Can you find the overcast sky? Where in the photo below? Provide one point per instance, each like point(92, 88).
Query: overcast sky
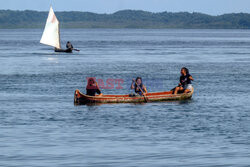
point(213, 7)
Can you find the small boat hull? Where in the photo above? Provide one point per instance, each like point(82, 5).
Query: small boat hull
point(64, 50)
point(80, 98)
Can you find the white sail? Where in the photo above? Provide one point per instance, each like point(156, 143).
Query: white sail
point(51, 34)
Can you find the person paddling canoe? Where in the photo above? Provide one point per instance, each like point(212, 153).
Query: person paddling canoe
point(185, 84)
point(93, 88)
point(139, 87)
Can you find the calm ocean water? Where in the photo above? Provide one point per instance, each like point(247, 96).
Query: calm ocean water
point(40, 126)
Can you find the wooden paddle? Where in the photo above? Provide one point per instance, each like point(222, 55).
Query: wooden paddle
point(145, 98)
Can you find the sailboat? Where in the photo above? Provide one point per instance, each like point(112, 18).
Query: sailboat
point(51, 34)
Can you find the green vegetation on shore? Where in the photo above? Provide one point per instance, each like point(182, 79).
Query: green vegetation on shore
point(125, 19)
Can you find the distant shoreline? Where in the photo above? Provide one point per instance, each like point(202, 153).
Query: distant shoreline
point(125, 19)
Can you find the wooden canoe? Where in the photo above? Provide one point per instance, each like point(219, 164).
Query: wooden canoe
point(80, 98)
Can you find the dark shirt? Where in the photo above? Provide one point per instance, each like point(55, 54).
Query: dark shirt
point(69, 46)
point(185, 80)
point(139, 91)
point(92, 92)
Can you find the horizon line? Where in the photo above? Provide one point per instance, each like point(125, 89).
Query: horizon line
point(125, 10)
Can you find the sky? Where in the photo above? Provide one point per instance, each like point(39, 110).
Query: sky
point(212, 7)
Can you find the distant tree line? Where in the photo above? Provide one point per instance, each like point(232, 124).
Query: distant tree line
point(125, 19)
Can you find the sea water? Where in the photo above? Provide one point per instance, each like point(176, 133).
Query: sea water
point(41, 126)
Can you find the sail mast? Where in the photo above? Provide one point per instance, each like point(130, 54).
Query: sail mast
point(59, 36)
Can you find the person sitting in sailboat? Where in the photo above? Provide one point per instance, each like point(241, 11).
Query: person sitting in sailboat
point(139, 87)
point(69, 45)
point(92, 88)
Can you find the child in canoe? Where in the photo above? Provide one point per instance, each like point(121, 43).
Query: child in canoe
point(92, 88)
point(138, 86)
point(185, 84)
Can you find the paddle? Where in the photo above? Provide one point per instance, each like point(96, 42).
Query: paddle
point(76, 50)
point(145, 98)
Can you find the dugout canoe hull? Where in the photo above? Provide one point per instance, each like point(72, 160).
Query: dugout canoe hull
point(80, 98)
